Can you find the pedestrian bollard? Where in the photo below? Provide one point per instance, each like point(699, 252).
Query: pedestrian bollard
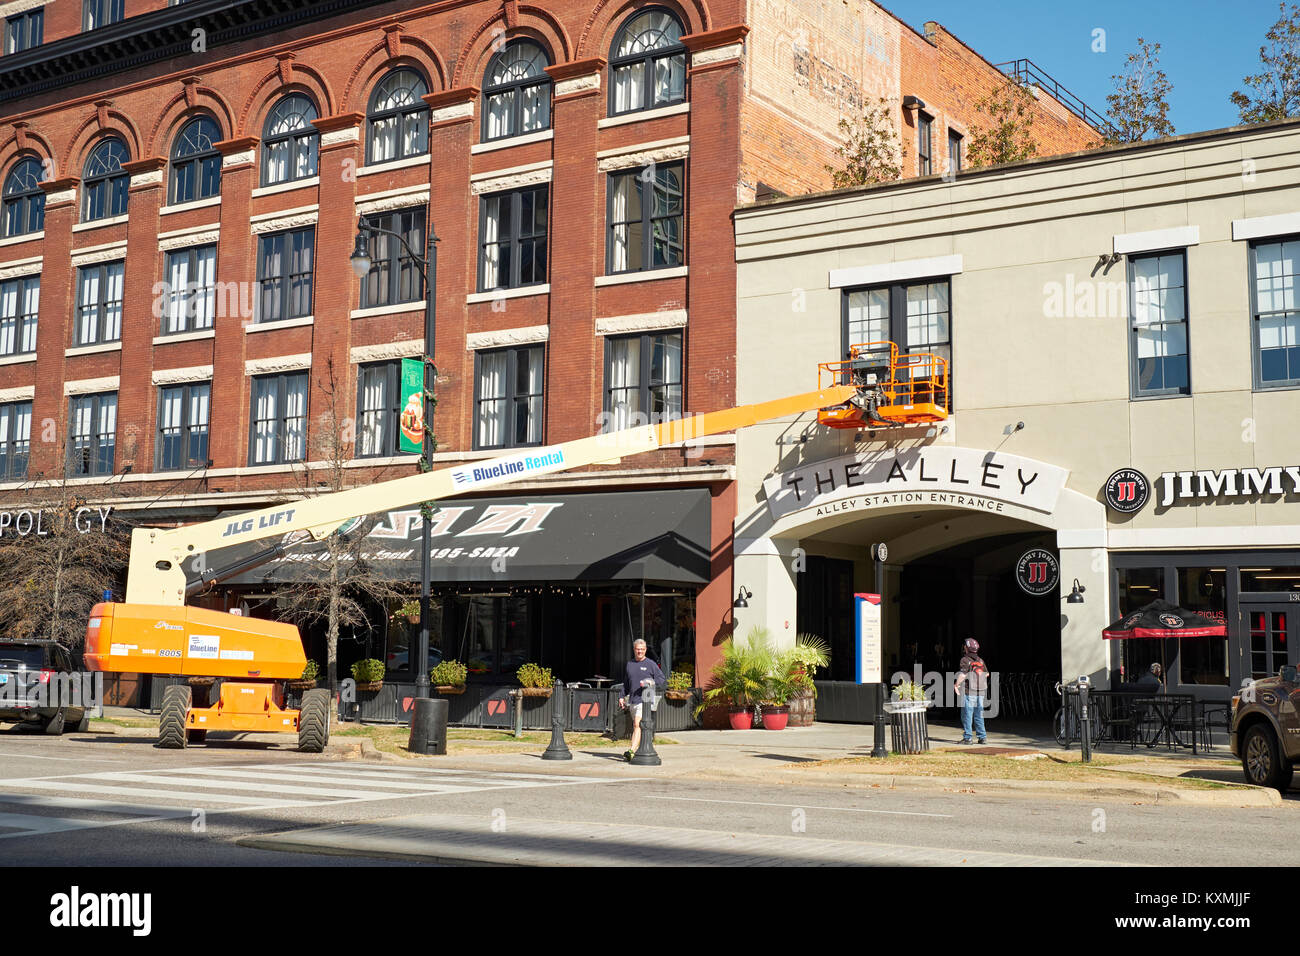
point(645, 755)
point(557, 749)
point(517, 698)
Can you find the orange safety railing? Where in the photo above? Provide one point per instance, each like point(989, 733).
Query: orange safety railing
point(896, 389)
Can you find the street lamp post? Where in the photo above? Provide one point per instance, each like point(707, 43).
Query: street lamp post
point(428, 266)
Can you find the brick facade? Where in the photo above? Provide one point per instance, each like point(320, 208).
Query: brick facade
point(740, 126)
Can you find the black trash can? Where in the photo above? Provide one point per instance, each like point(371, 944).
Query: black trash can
point(428, 726)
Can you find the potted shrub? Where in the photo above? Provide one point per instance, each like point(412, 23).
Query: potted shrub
point(535, 680)
point(776, 695)
point(809, 653)
point(308, 679)
point(409, 611)
point(449, 677)
point(680, 684)
point(369, 674)
point(908, 732)
point(740, 677)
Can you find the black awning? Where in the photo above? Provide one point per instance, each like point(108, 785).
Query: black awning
point(628, 536)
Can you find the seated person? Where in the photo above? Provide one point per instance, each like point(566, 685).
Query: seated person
point(1152, 681)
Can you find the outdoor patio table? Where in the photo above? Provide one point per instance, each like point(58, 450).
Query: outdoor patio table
point(1166, 708)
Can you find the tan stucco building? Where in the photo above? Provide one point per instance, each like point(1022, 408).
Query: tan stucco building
point(1124, 308)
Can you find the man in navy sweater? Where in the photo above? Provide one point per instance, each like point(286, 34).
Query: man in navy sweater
point(636, 675)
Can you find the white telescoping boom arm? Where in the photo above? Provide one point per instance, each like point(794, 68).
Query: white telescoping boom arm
point(156, 575)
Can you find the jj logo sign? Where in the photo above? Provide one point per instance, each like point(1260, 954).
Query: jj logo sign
point(1038, 572)
point(1127, 491)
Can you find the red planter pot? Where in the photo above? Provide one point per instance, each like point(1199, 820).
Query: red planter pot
point(741, 719)
point(775, 718)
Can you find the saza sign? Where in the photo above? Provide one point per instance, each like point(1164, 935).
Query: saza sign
point(953, 477)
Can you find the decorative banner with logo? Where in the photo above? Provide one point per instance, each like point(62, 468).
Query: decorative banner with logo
point(866, 664)
point(1038, 572)
point(411, 440)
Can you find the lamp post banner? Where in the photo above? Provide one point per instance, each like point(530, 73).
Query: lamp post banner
point(411, 420)
point(955, 477)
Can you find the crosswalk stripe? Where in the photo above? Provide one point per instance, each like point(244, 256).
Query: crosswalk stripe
point(75, 803)
point(181, 795)
point(393, 780)
point(182, 781)
point(225, 773)
point(32, 824)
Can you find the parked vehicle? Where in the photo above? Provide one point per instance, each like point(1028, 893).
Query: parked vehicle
point(1266, 729)
point(35, 673)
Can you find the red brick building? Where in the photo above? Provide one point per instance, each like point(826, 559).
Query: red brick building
point(182, 186)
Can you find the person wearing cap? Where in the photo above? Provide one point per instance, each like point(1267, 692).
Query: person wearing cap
point(974, 675)
point(637, 675)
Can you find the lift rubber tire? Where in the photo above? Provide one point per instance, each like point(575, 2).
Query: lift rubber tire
point(53, 725)
point(314, 721)
point(175, 713)
point(1262, 761)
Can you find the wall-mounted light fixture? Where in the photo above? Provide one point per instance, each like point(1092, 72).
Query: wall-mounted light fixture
point(911, 102)
point(743, 596)
point(1076, 595)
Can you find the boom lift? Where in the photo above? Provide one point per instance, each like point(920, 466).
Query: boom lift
point(890, 389)
point(153, 632)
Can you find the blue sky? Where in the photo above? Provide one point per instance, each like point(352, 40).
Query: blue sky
point(1205, 47)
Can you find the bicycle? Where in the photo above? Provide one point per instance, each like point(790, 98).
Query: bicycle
point(1067, 721)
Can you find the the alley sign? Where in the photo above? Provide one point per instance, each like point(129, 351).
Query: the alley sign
point(34, 523)
point(947, 476)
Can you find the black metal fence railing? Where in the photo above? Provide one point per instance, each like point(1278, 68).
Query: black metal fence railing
point(1026, 70)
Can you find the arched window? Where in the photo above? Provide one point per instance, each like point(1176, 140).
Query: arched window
point(24, 200)
point(290, 143)
point(647, 63)
point(196, 163)
point(399, 119)
point(516, 91)
point(104, 183)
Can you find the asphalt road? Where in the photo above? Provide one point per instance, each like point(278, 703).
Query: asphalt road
point(100, 800)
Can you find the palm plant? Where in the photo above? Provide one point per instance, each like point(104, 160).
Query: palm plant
point(801, 662)
point(741, 676)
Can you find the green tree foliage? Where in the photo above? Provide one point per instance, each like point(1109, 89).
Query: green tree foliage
point(1004, 132)
point(1139, 106)
point(870, 153)
point(1274, 94)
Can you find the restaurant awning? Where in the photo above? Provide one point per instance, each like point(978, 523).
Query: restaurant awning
point(628, 536)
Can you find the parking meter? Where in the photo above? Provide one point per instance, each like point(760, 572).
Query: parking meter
point(1084, 685)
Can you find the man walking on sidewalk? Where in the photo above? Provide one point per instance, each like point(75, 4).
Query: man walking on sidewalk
point(636, 675)
point(975, 676)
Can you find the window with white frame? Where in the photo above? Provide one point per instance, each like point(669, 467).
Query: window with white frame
point(643, 379)
point(99, 303)
point(1275, 273)
point(1158, 306)
point(646, 216)
point(394, 275)
point(379, 403)
point(398, 118)
point(279, 419)
point(196, 162)
point(513, 239)
point(20, 304)
point(508, 397)
point(916, 316)
point(516, 91)
point(24, 30)
point(290, 144)
point(24, 200)
point(183, 426)
point(100, 13)
point(924, 131)
point(15, 439)
point(92, 434)
point(284, 275)
point(190, 291)
point(105, 184)
point(647, 63)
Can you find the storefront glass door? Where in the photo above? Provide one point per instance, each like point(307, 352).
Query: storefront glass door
point(1270, 631)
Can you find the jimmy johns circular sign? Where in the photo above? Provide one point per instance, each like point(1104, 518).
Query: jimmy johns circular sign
point(1127, 491)
point(1038, 572)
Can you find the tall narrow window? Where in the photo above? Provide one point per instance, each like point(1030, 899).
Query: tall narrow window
point(290, 144)
point(516, 91)
point(196, 162)
point(1275, 272)
point(647, 63)
point(279, 420)
point(508, 398)
point(20, 303)
point(24, 200)
point(513, 234)
point(284, 273)
point(924, 126)
point(643, 375)
point(24, 30)
point(189, 293)
point(378, 407)
point(646, 215)
point(92, 434)
point(15, 440)
point(183, 426)
point(394, 275)
point(399, 119)
point(915, 316)
point(99, 303)
point(954, 151)
point(1158, 305)
point(104, 188)
point(100, 13)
